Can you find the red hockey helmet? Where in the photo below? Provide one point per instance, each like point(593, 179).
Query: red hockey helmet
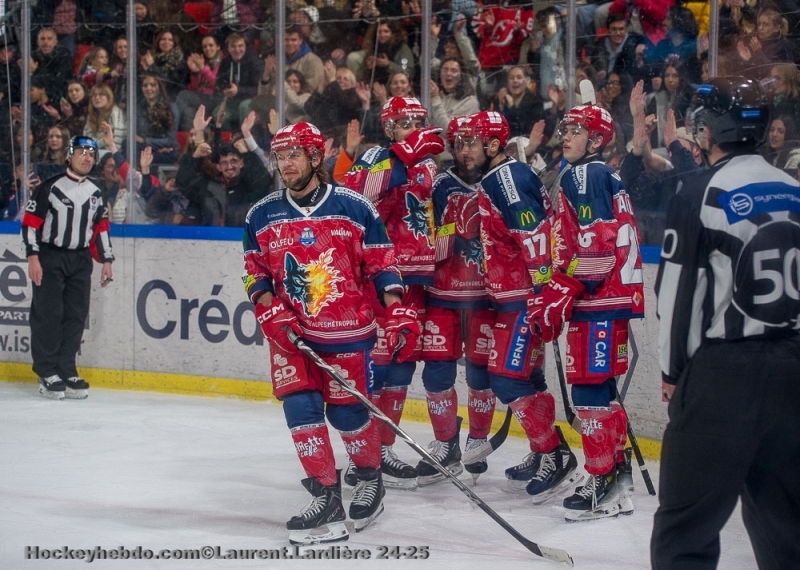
point(300, 135)
point(453, 127)
point(487, 125)
point(402, 108)
point(595, 120)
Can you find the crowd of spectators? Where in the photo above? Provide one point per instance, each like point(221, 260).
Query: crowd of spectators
point(207, 86)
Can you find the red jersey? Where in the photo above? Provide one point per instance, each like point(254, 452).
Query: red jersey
point(596, 241)
point(403, 198)
point(501, 41)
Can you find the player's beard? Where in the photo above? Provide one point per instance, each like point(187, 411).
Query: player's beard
point(299, 184)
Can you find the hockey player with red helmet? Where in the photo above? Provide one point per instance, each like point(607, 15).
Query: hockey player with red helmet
point(596, 286)
point(515, 217)
point(314, 254)
point(397, 179)
point(459, 317)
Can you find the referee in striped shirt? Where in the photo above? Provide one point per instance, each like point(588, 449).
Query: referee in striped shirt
point(64, 226)
point(729, 309)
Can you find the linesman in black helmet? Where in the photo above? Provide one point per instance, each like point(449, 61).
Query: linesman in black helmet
point(65, 225)
point(729, 308)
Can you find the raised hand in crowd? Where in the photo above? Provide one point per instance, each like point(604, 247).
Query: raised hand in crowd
point(248, 123)
point(536, 138)
point(66, 108)
point(195, 62)
point(331, 151)
point(330, 70)
point(203, 149)
point(107, 134)
point(353, 138)
point(362, 90)
point(220, 118)
point(147, 60)
point(380, 92)
point(640, 135)
point(637, 99)
point(200, 122)
point(274, 125)
point(145, 160)
point(670, 128)
point(435, 91)
point(52, 111)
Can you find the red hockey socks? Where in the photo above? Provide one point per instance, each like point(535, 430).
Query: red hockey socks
point(480, 407)
point(443, 409)
point(391, 401)
point(314, 449)
point(621, 427)
point(364, 444)
point(536, 414)
point(598, 433)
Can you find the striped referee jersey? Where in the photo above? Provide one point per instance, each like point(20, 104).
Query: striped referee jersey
point(730, 262)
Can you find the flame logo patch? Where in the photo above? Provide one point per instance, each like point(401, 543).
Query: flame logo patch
point(314, 285)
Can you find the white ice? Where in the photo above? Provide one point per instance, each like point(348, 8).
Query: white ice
point(176, 472)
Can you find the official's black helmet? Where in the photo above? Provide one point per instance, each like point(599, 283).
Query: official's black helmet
point(81, 142)
point(734, 108)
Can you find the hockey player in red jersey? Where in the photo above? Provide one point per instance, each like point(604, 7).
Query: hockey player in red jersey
point(597, 287)
point(459, 317)
point(314, 254)
point(515, 213)
point(397, 179)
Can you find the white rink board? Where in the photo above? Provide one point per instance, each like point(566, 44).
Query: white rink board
point(178, 306)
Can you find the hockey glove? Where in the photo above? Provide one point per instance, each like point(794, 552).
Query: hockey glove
point(275, 321)
point(550, 309)
point(401, 323)
point(418, 145)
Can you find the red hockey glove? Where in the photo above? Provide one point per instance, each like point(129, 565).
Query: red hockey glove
point(275, 321)
point(418, 145)
point(550, 309)
point(401, 322)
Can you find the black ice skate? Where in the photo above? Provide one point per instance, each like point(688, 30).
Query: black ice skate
point(477, 467)
point(448, 453)
point(77, 388)
point(625, 484)
point(368, 495)
point(557, 471)
point(52, 387)
point(397, 474)
point(322, 520)
point(519, 475)
point(350, 474)
point(598, 499)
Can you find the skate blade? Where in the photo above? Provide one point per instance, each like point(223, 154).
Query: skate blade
point(573, 480)
point(361, 524)
point(398, 483)
point(332, 532)
point(516, 485)
point(51, 395)
point(80, 394)
point(607, 511)
point(625, 506)
point(424, 481)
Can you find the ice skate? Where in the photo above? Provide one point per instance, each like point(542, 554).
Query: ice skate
point(52, 387)
point(77, 388)
point(397, 474)
point(518, 476)
point(322, 520)
point(598, 499)
point(625, 484)
point(448, 453)
point(367, 503)
point(476, 467)
point(557, 471)
point(350, 474)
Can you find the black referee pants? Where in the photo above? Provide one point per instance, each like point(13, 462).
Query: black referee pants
point(733, 432)
point(59, 308)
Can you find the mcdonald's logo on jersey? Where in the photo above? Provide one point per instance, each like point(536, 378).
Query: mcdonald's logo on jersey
point(526, 219)
point(585, 213)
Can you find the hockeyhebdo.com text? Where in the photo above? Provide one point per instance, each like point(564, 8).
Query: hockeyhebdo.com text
point(332, 552)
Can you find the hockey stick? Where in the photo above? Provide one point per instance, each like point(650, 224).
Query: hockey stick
point(554, 554)
point(648, 482)
point(485, 449)
point(572, 418)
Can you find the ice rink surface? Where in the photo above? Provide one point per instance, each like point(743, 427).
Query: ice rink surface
point(134, 469)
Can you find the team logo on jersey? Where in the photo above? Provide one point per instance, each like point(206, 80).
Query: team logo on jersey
point(307, 237)
point(472, 253)
point(419, 219)
point(557, 244)
point(314, 285)
point(526, 219)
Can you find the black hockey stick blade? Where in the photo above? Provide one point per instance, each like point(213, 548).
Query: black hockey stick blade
point(648, 482)
point(485, 449)
point(572, 418)
point(553, 554)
